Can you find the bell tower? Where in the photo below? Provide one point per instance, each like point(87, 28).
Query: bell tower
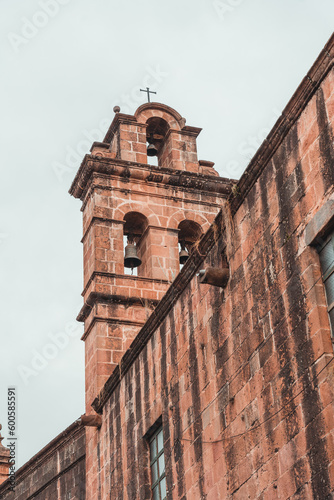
point(138, 215)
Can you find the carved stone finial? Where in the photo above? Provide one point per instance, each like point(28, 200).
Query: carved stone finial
point(116, 109)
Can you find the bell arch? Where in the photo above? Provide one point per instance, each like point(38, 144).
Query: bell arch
point(189, 232)
point(127, 207)
point(155, 109)
point(177, 217)
point(156, 134)
point(135, 225)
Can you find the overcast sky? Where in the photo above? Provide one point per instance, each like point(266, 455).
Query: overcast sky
point(228, 66)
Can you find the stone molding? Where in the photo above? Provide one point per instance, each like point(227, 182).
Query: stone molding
point(320, 224)
point(129, 277)
point(148, 173)
point(103, 298)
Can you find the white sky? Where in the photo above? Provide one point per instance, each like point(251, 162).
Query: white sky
point(229, 69)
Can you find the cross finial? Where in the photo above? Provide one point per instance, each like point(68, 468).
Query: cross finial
point(148, 93)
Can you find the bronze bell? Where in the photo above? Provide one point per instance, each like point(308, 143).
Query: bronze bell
point(152, 150)
point(131, 258)
point(183, 255)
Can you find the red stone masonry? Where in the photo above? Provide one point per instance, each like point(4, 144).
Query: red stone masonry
point(4, 460)
point(242, 377)
point(115, 184)
point(54, 473)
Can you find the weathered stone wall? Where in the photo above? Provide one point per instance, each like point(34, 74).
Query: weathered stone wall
point(57, 472)
point(243, 378)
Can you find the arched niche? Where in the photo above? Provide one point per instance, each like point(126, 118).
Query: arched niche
point(189, 232)
point(156, 132)
point(135, 224)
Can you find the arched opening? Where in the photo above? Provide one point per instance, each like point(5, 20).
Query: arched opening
point(133, 230)
point(189, 232)
point(156, 131)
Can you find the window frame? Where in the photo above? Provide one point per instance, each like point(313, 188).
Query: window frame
point(327, 274)
point(160, 477)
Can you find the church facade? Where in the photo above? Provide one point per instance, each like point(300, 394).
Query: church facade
point(209, 369)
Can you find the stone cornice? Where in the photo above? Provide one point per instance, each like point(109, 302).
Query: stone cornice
point(187, 131)
point(110, 321)
point(129, 277)
point(206, 163)
point(180, 283)
point(4, 456)
point(101, 145)
point(104, 298)
point(290, 114)
point(147, 173)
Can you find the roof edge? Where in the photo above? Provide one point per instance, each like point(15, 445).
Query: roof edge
point(54, 443)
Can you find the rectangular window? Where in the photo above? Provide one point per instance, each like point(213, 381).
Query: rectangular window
point(326, 254)
point(156, 442)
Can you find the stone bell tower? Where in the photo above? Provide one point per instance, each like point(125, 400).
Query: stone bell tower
point(159, 208)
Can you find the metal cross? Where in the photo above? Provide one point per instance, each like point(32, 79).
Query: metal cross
point(148, 93)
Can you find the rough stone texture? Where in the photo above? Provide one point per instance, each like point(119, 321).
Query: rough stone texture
point(242, 377)
point(57, 472)
point(318, 226)
point(119, 194)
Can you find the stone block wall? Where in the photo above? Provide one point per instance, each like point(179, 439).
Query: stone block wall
point(57, 472)
point(243, 377)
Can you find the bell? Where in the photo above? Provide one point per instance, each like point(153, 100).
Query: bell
point(131, 258)
point(183, 256)
point(152, 150)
